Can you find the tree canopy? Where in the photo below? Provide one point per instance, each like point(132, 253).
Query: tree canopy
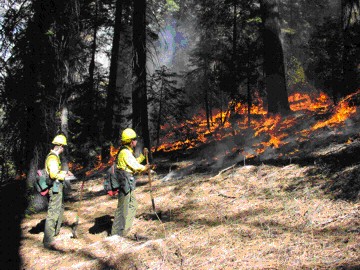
point(90, 68)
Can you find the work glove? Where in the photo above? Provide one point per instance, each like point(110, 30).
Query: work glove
point(147, 167)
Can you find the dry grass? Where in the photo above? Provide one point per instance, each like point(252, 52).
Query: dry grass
point(250, 217)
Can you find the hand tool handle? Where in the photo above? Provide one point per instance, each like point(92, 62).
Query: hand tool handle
point(150, 181)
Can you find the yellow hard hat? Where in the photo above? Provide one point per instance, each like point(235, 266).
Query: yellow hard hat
point(59, 140)
point(127, 135)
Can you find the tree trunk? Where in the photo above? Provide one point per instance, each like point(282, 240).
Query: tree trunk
point(349, 70)
point(234, 40)
point(115, 50)
point(64, 43)
point(13, 205)
point(38, 203)
point(206, 96)
point(91, 126)
point(139, 92)
point(234, 68)
point(158, 125)
point(109, 132)
point(37, 123)
point(273, 59)
point(65, 131)
point(249, 101)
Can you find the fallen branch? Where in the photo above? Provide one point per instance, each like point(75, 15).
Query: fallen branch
point(226, 196)
point(226, 169)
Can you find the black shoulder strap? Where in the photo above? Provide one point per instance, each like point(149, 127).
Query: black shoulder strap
point(122, 148)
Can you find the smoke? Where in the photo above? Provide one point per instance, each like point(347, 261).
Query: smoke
point(177, 38)
point(171, 40)
point(242, 149)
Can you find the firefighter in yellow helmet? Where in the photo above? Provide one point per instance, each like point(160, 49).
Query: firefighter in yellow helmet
point(127, 165)
point(56, 195)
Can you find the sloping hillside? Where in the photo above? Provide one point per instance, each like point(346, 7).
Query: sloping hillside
point(261, 216)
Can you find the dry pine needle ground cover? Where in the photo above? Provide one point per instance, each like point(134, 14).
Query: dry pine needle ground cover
point(248, 217)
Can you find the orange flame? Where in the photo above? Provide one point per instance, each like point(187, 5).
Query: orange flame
point(272, 126)
point(301, 101)
point(273, 130)
point(99, 165)
point(342, 112)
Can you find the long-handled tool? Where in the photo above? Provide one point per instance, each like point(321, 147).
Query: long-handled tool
point(76, 223)
point(150, 181)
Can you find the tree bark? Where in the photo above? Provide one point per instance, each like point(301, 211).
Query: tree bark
point(65, 131)
point(273, 59)
point(249, 99)
point(158, 124)
point(206, 96)
point(234, 71)
point(139, 92)
point(91, 126)
point(109, 132)
point(349, 69)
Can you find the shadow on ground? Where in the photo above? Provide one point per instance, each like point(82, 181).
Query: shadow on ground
point(102, 224)
point(38, 228)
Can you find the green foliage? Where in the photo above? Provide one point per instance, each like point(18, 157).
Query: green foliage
point(254, 20)
point(289, 31)
point(295, 72)
point(50, 32)
point(172, 6)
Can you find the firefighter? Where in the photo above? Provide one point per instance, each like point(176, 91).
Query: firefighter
point(56, 195)
point(127, 166)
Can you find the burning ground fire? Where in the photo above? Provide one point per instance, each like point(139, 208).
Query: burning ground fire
point(99, 165)
point(271, 130)
point(268, 131)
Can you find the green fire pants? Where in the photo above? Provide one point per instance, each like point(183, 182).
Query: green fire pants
point(124, 214)
point(54, 215)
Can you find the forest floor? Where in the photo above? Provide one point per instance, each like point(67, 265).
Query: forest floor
point(260, 216)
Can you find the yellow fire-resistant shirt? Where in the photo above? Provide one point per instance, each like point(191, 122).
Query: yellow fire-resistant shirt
point(126, 161)
point(53, 167)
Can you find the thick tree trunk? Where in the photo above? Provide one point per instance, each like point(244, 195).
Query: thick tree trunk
point(13, 205)
point(349, 69)
point(91, 126)
point(65, 131)
point(38, 202)
point(273, 59)
point(139, 93)
point(234, 40)
point(109, 132)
